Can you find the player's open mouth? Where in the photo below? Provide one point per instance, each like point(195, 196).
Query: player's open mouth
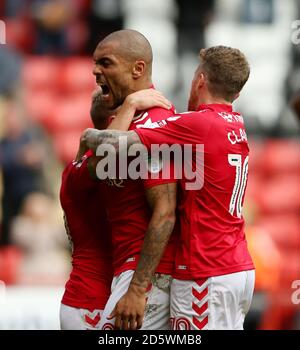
point(105, 90)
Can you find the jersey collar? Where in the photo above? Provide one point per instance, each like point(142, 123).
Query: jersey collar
point(217, 107)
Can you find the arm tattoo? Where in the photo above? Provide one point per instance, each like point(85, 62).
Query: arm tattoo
point(94, 138)
point(162, 199)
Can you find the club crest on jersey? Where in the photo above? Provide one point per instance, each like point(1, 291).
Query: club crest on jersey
point(155, 165)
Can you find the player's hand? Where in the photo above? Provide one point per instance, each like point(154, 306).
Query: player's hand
point(129, 311)
point(83, 148)
point(89, 139)
point(148, 98)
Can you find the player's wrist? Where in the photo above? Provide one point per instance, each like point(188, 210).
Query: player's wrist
point(138, 288)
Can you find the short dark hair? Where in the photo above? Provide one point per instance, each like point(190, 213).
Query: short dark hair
point(227, 70)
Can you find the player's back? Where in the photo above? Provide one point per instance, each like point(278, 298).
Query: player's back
point(215, 211)
point(89, 233)
point(212, 239)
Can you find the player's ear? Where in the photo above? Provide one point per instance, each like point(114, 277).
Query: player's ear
point(198, 81)
point(138, 69)
point(201, 79)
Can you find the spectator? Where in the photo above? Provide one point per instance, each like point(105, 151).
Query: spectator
point(106, 16)
point(193, 17)
point(9, 76)
point(21, 162)
point(52, 19)
point(41, 238)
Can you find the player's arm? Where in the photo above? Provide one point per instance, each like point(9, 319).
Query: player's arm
point(137, 101)
point(129, 311)
point(92, 138)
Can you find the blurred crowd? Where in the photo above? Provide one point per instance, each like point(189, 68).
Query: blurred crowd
point(59, 27)
point(46, 83)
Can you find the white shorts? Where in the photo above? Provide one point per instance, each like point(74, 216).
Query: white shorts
point(72, 318)
point(220, 302)
point(157, 312)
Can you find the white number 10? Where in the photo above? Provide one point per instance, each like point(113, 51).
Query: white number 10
point(241, 174)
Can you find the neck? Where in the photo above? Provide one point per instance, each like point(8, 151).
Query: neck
point(143, 84)
point(214, 100)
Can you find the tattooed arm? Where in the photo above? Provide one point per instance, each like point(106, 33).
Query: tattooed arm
point(93, 138)
point(137, 101)
point(129, 311)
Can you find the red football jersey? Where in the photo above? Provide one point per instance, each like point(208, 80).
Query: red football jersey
point(212, 240)
point(89, 284)
point(129, 212)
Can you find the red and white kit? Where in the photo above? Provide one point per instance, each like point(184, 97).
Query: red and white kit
point(88, 287)
point(212, 251)
point(129, 215)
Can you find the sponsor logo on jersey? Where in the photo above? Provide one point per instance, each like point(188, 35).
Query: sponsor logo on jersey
point(231, 118)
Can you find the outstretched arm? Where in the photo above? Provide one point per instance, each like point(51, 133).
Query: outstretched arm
point(93, 138)
point(137, 101)
point(129, 311)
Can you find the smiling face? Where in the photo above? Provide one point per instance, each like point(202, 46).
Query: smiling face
point(114, 74)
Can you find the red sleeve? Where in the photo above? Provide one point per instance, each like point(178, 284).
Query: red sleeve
point(190, 128)
point(145, 120)
point(150, 116)
point(184, 129)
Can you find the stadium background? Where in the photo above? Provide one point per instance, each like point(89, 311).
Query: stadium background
point(45, 87)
